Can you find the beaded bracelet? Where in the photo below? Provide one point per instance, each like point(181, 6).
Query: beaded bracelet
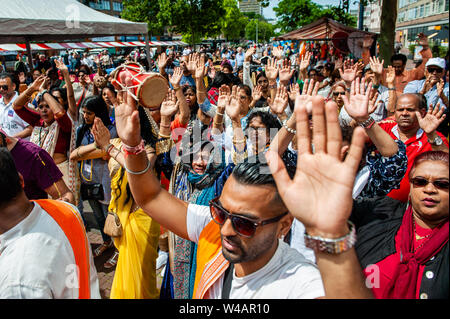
point(290, 130)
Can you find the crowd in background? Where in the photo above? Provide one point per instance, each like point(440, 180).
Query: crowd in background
point(65, 126)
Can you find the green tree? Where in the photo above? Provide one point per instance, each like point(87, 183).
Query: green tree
point(233, 22)
point(387, 30)
point(194, 19)
point(293, 14)
point(144, 11)
point(265, 30)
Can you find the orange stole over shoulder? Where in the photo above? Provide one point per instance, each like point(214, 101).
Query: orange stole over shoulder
point(210, 262)
point(73, 227)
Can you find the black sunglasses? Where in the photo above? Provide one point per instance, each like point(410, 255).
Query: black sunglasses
point(4, 87)
point(432, 70)
point(338, 93)
point(422, 182)
point(242, 225)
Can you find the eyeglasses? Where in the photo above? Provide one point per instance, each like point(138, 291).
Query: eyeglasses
point(4, 87)
point(432, 70)
point(338, 93)
point(242, 225)
point(422, 182)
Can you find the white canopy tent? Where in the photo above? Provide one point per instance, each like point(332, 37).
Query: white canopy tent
point(26, 21)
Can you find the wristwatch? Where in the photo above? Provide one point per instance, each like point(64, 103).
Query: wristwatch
point(367, 123)
point(437, 141)
point(332, 246)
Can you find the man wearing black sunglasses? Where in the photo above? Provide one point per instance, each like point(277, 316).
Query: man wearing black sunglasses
point(10, 122)
point(244, 227)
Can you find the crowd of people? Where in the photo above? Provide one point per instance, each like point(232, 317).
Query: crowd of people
point(264, 173)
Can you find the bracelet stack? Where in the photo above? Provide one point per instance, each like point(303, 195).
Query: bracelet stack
point(290, 130)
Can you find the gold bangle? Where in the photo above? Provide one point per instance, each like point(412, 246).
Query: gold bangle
point(218, 123)
point(239, 141)
point(163, 136)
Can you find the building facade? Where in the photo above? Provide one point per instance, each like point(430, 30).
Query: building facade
point(427, 16)
point(250, 6)
point(111, 7)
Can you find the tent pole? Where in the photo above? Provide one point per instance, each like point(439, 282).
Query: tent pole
point(30, 57)
point(147, 49)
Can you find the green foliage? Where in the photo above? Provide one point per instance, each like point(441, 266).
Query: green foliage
point(293, 14)
point(265, 30)
point(144, 11)
point(233, 22)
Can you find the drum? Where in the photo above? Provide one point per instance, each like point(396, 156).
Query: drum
point(149, 89)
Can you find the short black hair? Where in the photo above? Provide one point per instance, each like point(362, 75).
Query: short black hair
point(399, 56)
point(255, 171)
point(10, 186)
point(13, 77)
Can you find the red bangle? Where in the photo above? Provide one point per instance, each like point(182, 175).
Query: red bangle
point(133, 150)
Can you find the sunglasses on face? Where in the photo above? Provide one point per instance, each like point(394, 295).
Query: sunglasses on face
point(432, 70)
point(242, 225)
point(338, 93)
point(4, 87)
point(422, 182)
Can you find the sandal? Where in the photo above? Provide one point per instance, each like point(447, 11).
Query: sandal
point(101, 249)
point(112, 261)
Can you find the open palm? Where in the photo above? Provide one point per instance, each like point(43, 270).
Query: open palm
point(432, 119)
point(357, 106)
point(322, 183)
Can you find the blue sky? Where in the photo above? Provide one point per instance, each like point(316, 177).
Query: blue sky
point(269, 14)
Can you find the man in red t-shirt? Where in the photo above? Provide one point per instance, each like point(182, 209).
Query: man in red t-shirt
point(416, 127)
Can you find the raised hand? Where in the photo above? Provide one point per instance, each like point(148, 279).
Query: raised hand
point(257, 93)
point(321, 173)
point(271, 69)
point(305, 61)
point(38, 82)
point(162, 62)
point(294, 89)
point(61, 66)
point(176, 77)
point(249, 53)
point(432, 119)
point(224, 98)
point(169, 106)
point(233, 108)
point(422, 39)
point(280, 101)
point(310, 89)
point(376, 65)
point(127, 116)
point(348, 71)
point(373, 104)
point(358, 104)
point(285, 72)
point(101, 133)
point(200, 68)
point(390, 76)
point(440, 87)
point(191, 63)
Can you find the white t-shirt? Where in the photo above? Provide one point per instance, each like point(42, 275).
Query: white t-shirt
point(10, 122)
point(288, 275)
point(37, 261)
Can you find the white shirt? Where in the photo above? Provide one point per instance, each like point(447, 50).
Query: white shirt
point(37, 261)
point(287, 275)
point(10, 122)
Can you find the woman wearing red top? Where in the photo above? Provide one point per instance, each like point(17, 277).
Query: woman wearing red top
point(52, 126)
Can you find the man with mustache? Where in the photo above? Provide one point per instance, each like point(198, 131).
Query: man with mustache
point(417, 128)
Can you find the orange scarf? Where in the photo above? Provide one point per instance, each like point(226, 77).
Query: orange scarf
point(71, 223)
point(210, 261)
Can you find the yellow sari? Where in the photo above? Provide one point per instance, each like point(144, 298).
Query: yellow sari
point(135, 275)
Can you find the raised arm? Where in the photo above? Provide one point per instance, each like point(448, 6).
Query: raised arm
point(429, 123)
point(163, 207)
point(357, 106)
point(185, 111)
point(323, 184)
point(73, 111)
